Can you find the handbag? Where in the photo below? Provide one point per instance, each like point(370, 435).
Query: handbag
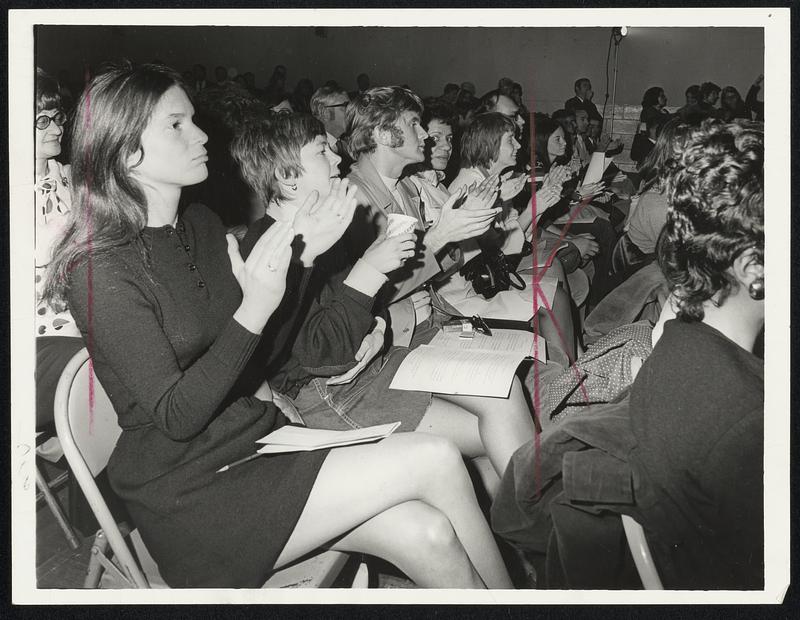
point(490, 273)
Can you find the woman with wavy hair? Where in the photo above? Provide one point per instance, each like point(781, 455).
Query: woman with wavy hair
point(171, 315)
point(697, 405)
point(649, 211)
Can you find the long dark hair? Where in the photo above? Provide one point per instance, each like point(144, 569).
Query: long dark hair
point(544, 126)
point(109, 208)
point(651, 95)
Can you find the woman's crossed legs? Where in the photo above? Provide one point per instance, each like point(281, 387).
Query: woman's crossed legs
point(409, 500)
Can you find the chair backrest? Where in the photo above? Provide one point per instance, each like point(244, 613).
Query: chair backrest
point(640, 551)
point(88, 431)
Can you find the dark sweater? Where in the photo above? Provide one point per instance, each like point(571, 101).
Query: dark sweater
point(320, 323)
point(169, 354)
point(697, 413)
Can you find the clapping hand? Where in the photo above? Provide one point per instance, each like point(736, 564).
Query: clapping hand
point(547, 197)
point(262, 276)
point(590, 190)
point(511, 185)
point(606, 143)
point(321, 223)
point(483, 196)
point(557, 176)
point(586, 245)
point(456, 225)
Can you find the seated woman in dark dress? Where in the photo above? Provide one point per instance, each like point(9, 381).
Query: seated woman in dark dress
point(171, 315)
point(286, 160)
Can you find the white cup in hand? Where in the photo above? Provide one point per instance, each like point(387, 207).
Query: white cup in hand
point(399, 224)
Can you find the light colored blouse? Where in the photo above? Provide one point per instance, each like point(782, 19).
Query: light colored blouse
point(53, 206)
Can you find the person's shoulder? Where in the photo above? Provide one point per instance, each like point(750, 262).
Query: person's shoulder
point(253, 234)
point(106, 271)
point(201, 216)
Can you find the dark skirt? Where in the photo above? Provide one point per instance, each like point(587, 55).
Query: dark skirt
point(208, 529)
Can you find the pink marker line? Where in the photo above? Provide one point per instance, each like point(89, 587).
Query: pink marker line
point(87, 122)
point(536, 278)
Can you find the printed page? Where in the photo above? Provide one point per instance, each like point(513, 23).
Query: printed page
point(507, 340)
point(458, 371)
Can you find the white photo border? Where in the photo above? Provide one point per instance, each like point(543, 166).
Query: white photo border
point(776, 25)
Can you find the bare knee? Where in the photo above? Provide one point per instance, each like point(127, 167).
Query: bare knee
point(434, 532)
point(434, 459)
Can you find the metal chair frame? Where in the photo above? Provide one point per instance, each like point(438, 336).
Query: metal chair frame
point(88, 447)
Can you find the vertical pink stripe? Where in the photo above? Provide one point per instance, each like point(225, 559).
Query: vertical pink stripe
point(87, 122)
point(536, 279)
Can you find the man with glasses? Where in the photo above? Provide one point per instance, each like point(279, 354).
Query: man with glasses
point(328, 105)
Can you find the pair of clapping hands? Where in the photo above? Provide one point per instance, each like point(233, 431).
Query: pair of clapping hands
point(467, 213)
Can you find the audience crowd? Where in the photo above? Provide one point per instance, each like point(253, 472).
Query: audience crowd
point(224, 252)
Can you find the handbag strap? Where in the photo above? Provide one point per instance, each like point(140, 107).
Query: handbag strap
point(520, 280)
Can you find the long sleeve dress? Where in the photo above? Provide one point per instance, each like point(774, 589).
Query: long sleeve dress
point(157, 319)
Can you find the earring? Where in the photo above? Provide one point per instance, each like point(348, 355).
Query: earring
point(293, 187)
point(756, 289)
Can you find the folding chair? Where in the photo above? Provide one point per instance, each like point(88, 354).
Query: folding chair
point(88, 436)
point(45, 488)
point(640, 551)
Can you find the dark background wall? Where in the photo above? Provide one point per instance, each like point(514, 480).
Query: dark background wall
point(545, 61)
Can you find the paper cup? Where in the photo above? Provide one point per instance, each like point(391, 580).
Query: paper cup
point(399, 224)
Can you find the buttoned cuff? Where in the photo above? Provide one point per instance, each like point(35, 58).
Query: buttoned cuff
point(364, 278)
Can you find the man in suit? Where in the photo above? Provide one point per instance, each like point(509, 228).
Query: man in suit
point(583, 98)
point(329, 105)
point(384, 136)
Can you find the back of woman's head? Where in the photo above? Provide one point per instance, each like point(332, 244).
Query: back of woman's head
point(47, 92)
point(668, 147)
point(543, 126)
point(650, 97)
point(480, 142)
point(108, 204)
point(716, 213)
point(269, 145)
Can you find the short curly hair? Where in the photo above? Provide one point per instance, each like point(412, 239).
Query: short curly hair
point(47, 93)
point(716, 212)
point(379, 107)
